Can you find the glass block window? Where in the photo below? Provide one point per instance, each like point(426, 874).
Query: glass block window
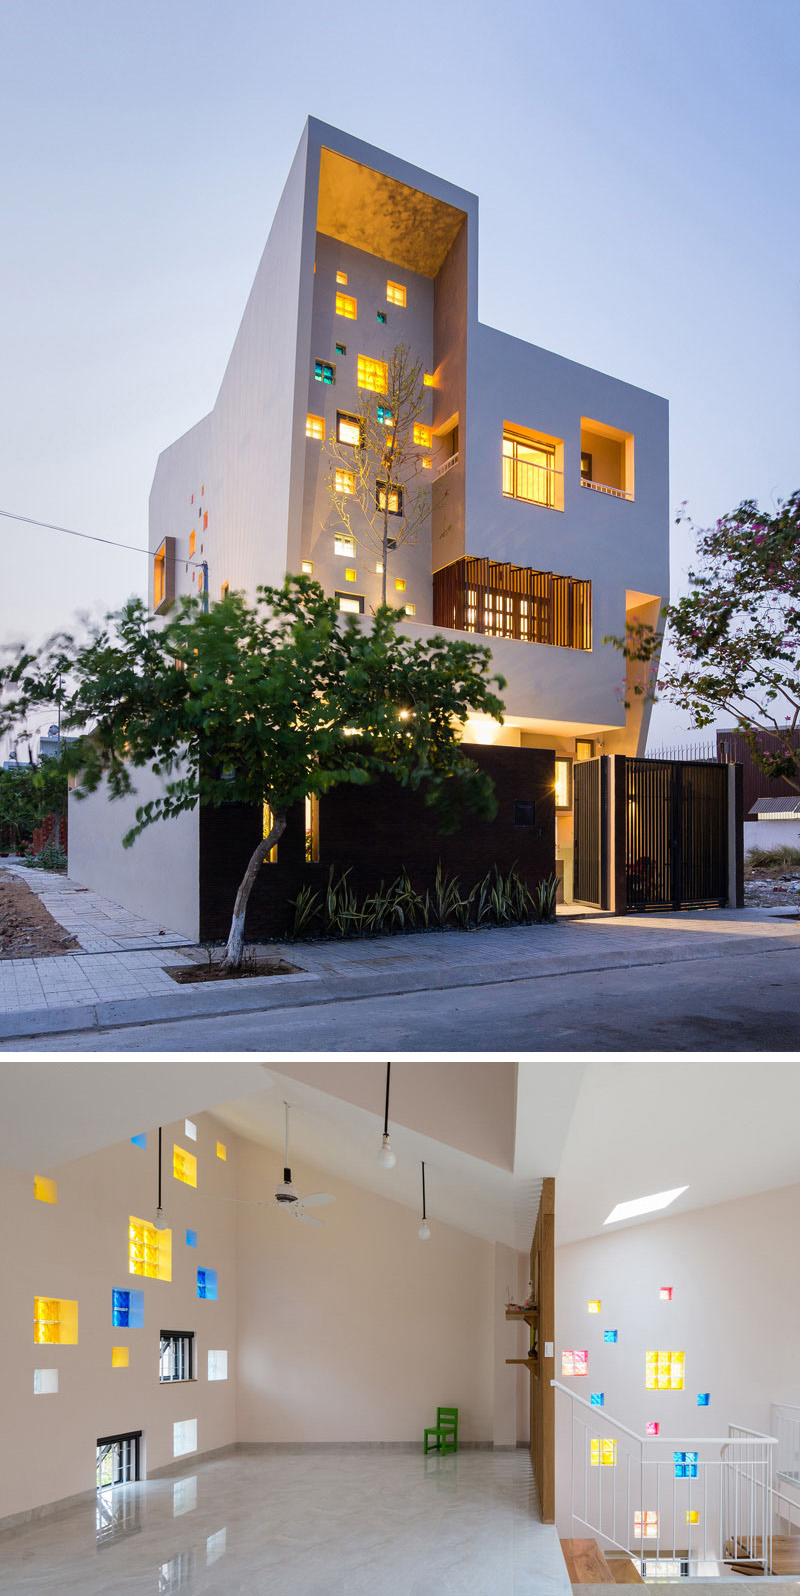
point(422, 435)
point(191, 1238)
point(598, 1399)
point(665, 1293)
point(184, 1438)
point(652, 1427)
point(207, 1284)
point(350, 573)
point(127, 1309)
point(218, 1365)
point(44, 1190)
point(685, 1465)
point(344, 482)
point(149, 1250)
point(602, 1453)
point(140, 1140)
point(190, 1129)
point(343, 543)
point(427, 465)
point(45, 1382)
point(692, 1515)
point(184, 1165)
point(594, 1306)
point(610, 1337)
point(346, 306)
point(307, 567)
point(222, 1151)
point(341, 349)
point(396, 294)
point(324, 372)
point(645, 1525)
point(410, 609)
point(55, 1322)
point(382, 317)
point(341, 278)
point(664, 1371)
point(120, 1357)
point(427, 381)
point(315, 428)
point(371, 374)
point(703, 1399)
point(348, 429)
point(399, 585)
point(385, 416)
point(574, 1363)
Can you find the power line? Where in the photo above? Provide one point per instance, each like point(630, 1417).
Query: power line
point(90, 538)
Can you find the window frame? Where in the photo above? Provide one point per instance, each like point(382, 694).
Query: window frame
point(396, 294)
point(339, 476)
point(564, 759)
point(320, 368)
point(381, 486)
point(372, 374)
point(584, 742)
point(346, 306)
point(514, 468)
point(347, 418)
point(180, 1343)
point(315, 427)
point(348, 553)
point(351, 599)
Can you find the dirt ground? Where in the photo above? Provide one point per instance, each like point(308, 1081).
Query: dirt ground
point(27, 930)
point(771, 886)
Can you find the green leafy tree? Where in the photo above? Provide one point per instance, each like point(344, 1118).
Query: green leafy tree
point(378, 482)
point(735, 636)
point(261, 704)
point(26, 796)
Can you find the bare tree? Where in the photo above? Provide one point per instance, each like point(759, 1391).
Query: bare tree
point(378, 460)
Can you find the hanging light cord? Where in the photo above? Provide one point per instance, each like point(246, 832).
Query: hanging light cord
point(424, 1215)
point(386, 1111)
point(286, 1133)
point(159, 1166)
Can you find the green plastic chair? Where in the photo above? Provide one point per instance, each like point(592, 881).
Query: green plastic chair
point(444, 1432)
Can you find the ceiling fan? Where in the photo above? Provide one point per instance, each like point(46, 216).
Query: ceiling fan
point(286, 1194)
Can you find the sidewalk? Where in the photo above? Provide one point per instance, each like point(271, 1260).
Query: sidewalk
point(118, 977)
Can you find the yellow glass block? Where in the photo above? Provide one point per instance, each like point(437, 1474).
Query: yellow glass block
point(341, 277)
point(346, 306)
point(677, 1357)
point(662, 1382)
point(55, 1321)
point(651, 1357)
point(422, 435)
point(222, 1151)
point(120, 1357)
point(400, 585)
point(650, 1380)
point(396, 294)
point(593, 1307)
point(371, 374)
point(427, 380)
point(349, 573)
point(411, 609)
point(44, 1190)
point(603, 1453)
point(184, 1165)
point(692, 1515)
point(149, 1250)
point(427, 465)
point(315, 428)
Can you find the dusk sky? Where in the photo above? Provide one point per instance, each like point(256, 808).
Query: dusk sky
point(637, 168)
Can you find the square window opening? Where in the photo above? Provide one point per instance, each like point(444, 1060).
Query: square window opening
point(176, 1356)
point(350, 603)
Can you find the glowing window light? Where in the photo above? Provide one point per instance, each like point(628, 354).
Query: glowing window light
point(341, 277)
point(646, 1522)
point(149, 1250)
point(574, 1363)
point(315, 428)
point(307, 567)
point(191, 1238)
point(692, 1515)
point(593, 1306)
point(348, 429)
point(385, 416)
point(350, 573)
point(396, 294)
point(563, 774)
point(427, 465)
point(266, 827)
point(346, 306)
point(344, 482)
point(127, 1309)
point(55, 1322)
point(207, 1284)
point(399, 585)
point(603, 1453)
point(664, 1370)
point(344, 543)
point(703, 1399)
point(190, 1129)
point(427, 381)
point(44, 1190)
point(410, 609)
point(422, 435)
point(324, 372)
point(371, 374)
point(222, 1151)
point(184, 1165)
point(192, 542)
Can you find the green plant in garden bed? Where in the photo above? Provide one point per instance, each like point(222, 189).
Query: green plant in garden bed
point(50, 857)
point(496, 900)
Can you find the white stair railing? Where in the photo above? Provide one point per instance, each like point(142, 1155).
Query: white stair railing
point(785, 1421)
point(693, 1501)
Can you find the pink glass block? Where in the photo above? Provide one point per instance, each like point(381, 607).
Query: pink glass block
point(665, 1293)
point(652, 1427)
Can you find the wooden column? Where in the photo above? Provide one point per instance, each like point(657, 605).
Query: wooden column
point(543, 1432)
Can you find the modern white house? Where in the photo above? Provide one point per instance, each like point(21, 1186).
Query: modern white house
point(232, 1394)
point(549, 516)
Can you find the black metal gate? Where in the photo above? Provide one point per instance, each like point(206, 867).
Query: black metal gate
point(676, 834)
point(590, 812)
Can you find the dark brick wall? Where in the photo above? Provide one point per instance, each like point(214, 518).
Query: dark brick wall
point(376, 831)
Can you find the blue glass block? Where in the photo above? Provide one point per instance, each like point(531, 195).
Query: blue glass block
point(609, 1335)
point(598, 1399)
point(703, 1398)
point(207, 1284)
point(680, 1471)
point(141, 1140)
point(381, 315)
point(136, 1310)
point(191, 1238)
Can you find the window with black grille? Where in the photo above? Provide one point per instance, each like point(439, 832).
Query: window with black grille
point(176, 1358)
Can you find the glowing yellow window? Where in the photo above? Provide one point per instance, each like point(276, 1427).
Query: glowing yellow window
point(266, 827)
point(184, 1166)
point(222, 1151)
point(120, 1357)
point(55, 1322)
point(563, 784)
point(603, 1453)
point(410, 609)
point(225, 590)
point(149, 1250)
point(341, 277)
point(427, 380)
point(315, 428)
point(664, 1370)
point(44, 1190)
point(396, 294)
point(192, 540)
point(371, 374)
point(399, 585)
point(344, 482)
point(349, 573)
point(346, 306)
point(307, 567)
point(312, 828)
point(593, 1307)
point(159, 576)
point(692, 1515)
point(426, 465)
point(422, 435)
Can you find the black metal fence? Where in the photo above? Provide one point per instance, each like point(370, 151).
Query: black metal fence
point(590, 861)
point(676, 834)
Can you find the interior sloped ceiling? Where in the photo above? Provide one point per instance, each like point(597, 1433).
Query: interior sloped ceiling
point(468, 1105)
point(376, 213)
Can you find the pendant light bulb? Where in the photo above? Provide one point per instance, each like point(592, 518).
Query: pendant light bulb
point(424, 1231)
point(387, 1158)
point(159, 1221)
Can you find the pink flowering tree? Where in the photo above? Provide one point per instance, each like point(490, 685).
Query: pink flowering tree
point(735, 636)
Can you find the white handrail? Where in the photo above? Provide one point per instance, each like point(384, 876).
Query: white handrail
point(666, 1440)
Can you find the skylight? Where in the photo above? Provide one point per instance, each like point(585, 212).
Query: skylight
point(644, 1205)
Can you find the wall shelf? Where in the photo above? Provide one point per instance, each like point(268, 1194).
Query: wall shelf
point(523, 1315)
point(530, 1363)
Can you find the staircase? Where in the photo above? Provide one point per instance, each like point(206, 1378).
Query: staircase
point(785, 1555)
point(587, 1565)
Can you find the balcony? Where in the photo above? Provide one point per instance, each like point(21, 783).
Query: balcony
point(449, 465)
point(513, 601)
point(605, 487)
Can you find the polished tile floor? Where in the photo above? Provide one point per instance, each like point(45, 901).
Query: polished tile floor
point(318, 1523)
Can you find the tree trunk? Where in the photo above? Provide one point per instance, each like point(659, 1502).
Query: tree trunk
point(385, 541)
point(235, 944)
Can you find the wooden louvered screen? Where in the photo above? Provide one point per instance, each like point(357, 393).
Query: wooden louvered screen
point(513, 601)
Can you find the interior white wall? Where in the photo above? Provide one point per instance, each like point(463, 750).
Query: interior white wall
point(734, 1312)
point(157, 877)
point(359, 1331)
point(78, 1249)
